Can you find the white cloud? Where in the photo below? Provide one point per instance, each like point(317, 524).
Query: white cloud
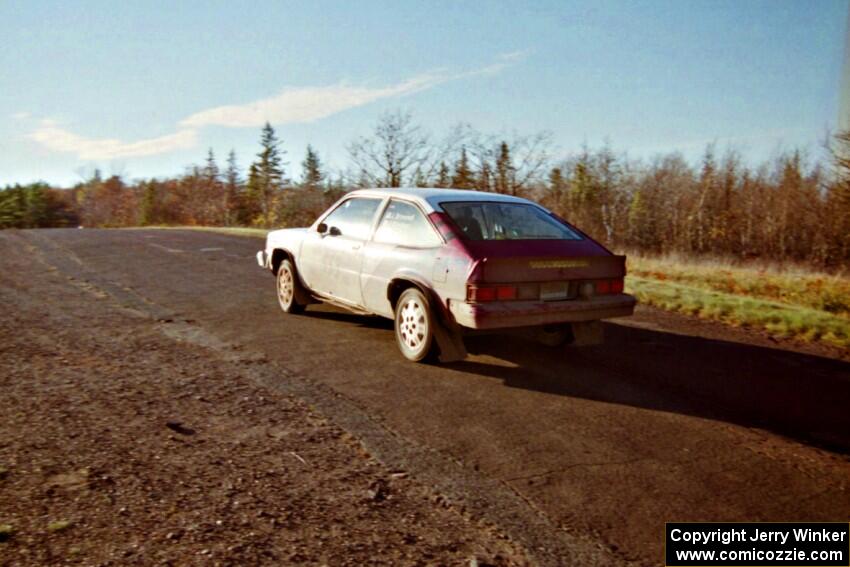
point(505, 60)
point(50, 135)
point(291, 105)
point(306, 104)
point(20, 115)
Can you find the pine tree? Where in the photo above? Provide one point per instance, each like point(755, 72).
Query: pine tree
point(266, 177)
point(443, 175)
point(11, 207)
point(583, 190)
point(557, 188)
point(250, 208)
point(463, 177)
point(35, 197)
point(312, 175)
point(505, 171)
point(583, 197)
point(485, 178)
point(232, 190)
point(792, 204)
point(556, 180)
point(419, 178)
point(211, 172)
point(210, 203)
point(147, 214)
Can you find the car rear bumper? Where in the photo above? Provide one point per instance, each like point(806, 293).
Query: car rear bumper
point(507, 314)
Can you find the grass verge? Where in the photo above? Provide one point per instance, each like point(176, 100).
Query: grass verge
point(778, 319)
point(234, 231)
point(789, 285)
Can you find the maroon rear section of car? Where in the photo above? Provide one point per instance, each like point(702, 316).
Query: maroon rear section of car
point(535, 270)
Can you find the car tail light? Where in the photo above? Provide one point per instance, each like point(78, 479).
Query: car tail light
point(606, 287)
point(480, 293)
point(504, 292)
point(603, 287)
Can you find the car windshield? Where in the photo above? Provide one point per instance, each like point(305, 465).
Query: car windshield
point(507, 221)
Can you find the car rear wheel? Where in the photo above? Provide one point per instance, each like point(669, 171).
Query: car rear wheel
point(414, 325)
point(287, 288)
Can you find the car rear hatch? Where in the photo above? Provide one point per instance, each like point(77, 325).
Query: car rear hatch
point(550, 270)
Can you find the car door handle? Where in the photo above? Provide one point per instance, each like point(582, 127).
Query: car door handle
point(355, 246)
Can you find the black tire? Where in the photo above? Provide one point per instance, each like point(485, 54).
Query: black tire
point(414, 326)
point(288, 288)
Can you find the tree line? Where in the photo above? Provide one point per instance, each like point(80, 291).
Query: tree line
point(785, 209)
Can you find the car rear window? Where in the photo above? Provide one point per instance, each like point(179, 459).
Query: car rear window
point(507, 221)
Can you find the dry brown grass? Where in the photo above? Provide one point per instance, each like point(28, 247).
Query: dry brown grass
point(787, 301)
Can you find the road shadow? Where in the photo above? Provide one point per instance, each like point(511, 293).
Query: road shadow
point(800, 396)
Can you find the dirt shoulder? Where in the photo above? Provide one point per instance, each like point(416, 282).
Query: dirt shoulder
point(123, 444)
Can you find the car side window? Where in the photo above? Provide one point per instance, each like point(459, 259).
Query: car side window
point(403, 224)
point(354, 217)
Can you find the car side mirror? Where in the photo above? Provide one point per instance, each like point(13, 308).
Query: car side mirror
point(322, 228)
point(334, 231)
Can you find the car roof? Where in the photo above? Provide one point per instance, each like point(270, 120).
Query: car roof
point(430, 198)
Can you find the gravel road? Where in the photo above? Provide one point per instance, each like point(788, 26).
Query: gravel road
point(127, 440)
point(519, 453)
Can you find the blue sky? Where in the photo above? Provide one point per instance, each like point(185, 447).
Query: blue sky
point(144, 88)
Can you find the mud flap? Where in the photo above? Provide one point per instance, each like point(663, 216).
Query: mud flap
point(450, 342)
point(302, 296)
point(588, 333)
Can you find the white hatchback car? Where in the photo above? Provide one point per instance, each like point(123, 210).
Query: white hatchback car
point(442, 262)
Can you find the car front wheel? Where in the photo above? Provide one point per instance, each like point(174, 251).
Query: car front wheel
point(414, 325)
point(287, 286)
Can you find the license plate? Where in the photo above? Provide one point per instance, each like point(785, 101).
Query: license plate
point(554, 291)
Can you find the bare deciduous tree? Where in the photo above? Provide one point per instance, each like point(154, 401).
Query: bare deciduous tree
point(397, 148)
point(511, 164)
